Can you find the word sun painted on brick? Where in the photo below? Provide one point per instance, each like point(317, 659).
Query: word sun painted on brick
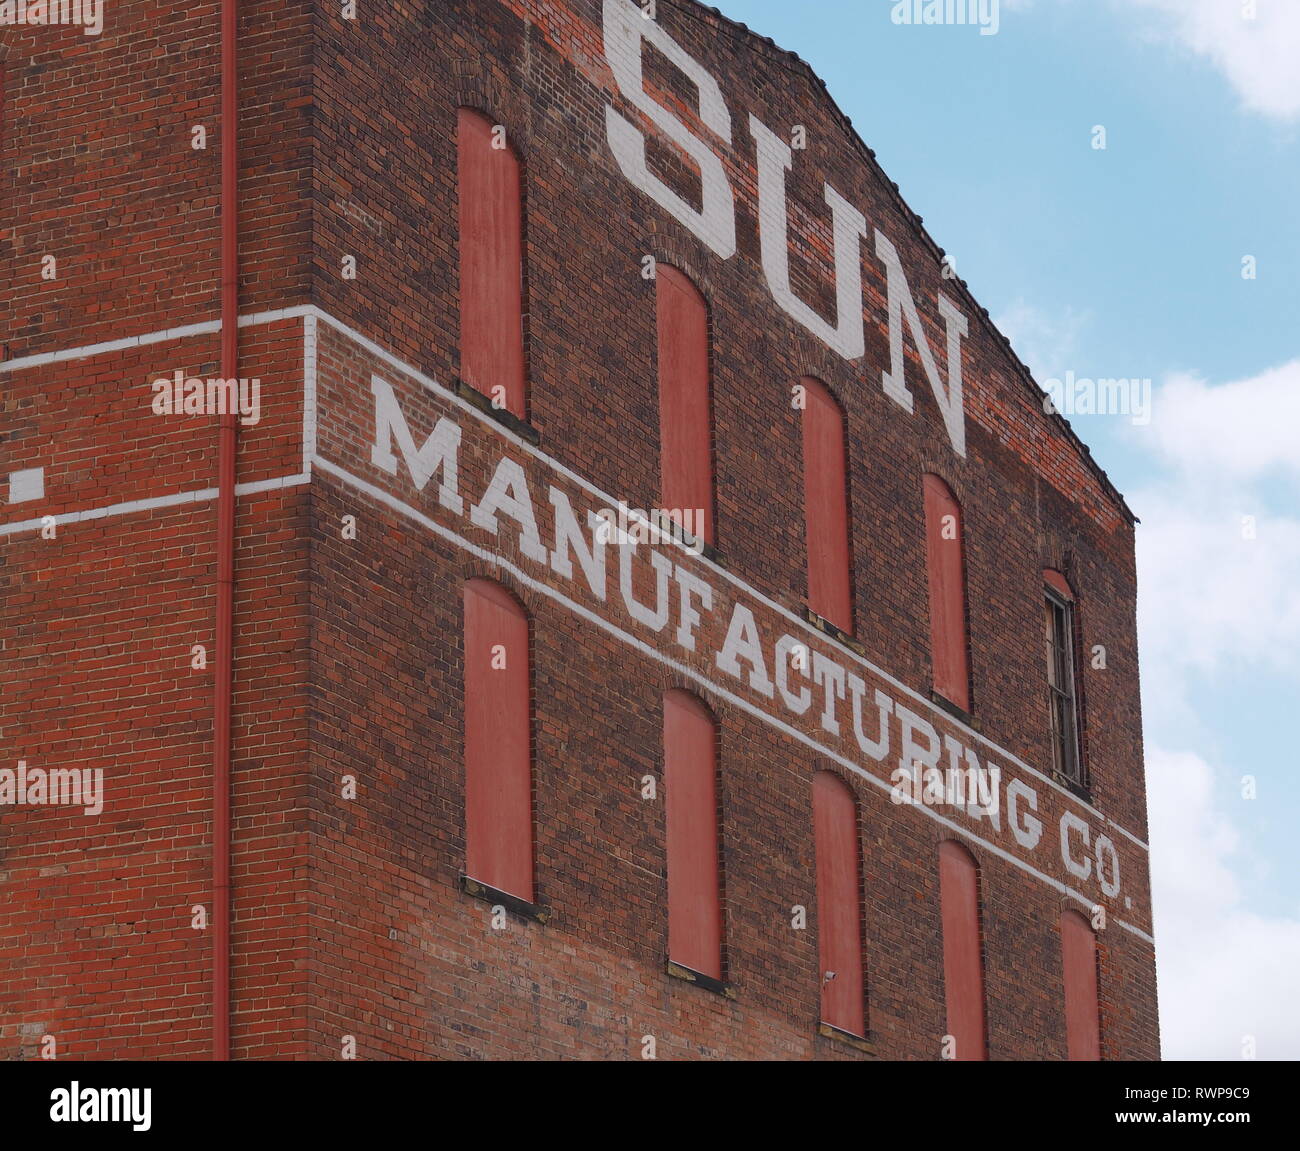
point(715, 221)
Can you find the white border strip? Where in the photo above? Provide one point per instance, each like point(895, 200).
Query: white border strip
point(88, 350)
point(205, 328)
point(208, 327)
point(433, 386)
point(646, 649)
point(308, 391)
point(198, 496)
point(310, 315)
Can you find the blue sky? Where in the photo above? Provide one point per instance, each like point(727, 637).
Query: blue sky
point(1127, 262)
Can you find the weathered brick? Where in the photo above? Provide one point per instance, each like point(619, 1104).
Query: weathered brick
point(348, 915)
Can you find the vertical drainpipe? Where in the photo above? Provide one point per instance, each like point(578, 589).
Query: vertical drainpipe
point(225, 630)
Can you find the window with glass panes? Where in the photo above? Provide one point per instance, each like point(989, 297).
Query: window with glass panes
point(1061, 708)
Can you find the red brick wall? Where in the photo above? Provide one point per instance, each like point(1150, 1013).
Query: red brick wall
point(96, 636)
point(99, 620)
point(99, 170)
point(349, 917)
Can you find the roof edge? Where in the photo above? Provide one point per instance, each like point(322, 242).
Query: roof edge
point(773, 50)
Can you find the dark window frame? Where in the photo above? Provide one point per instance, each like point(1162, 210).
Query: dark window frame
point(1063, 711)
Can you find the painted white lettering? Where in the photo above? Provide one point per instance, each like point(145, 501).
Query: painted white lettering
point(508, 494)
point(1029, 830)
point(830, 676)
point(715, 222)
point(899, 305)
point(850, 229)
point(569, 537)
point(440, 450)
point(797, 702)
point(743, 642)
point(877, 748)
point(1071, 822)
point(909, 751)
point(689, 618)
point(1107, 862)
point(654, 618)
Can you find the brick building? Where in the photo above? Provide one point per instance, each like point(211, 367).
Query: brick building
point(516, 770)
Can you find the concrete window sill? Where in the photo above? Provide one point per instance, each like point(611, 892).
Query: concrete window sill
point(477, 889)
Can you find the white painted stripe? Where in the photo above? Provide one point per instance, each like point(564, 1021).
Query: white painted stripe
point(308, 391)
point(1124, 832)
point(205, 328)
point(255, 319)
point(653, 653)
point(129, 507)
point(308, 311)
point(256, 487)
point(523, 445)
point(85, 352)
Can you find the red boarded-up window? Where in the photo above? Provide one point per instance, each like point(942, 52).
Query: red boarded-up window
point(690, 779)
point(826, 506)
point(685, 412)
point(498, 755)
point(1079, 961)
point(491, 264)
point(839, 916)
point(947, 576)
point(963, 968)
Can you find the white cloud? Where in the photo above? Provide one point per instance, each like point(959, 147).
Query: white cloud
point(1225, 973)
point(1214, 604)
point(1210, 598)
point(1218, 550)
point(1048, 344)
point(1235, 431)
point(1257, 56)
